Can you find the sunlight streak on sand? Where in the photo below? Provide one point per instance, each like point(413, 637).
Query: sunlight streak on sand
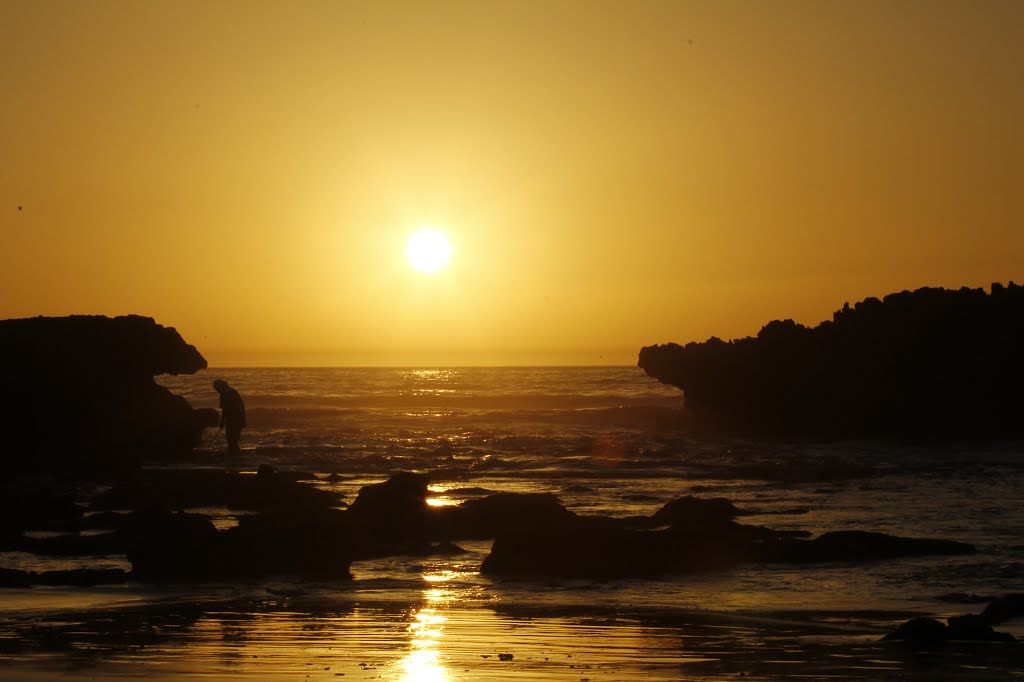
point(423, 662)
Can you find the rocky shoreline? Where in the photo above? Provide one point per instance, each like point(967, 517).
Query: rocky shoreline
point(533, 533)
point(287, 526)
point(113, 478)
point(77, 394)
point(927, 365)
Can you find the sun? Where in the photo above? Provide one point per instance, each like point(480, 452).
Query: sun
point(428, 250)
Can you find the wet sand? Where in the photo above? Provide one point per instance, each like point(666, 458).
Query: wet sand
point(294, 632)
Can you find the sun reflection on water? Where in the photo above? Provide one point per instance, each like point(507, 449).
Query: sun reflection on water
point(423, 662)
point(438, 577)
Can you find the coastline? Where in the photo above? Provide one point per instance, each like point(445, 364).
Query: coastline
point(485, 432)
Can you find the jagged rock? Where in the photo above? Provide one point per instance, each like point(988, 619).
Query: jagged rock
point(536, 536)
point(588, 550)
point(310, 542)
point(855, 545)
point(393, 517)
point(925, 633)
point(402, 493)
point(693, 511)
point(580, 553)
point(446, 548)
point(106, 520)
point(169, 546)
point(25, 505)
point(975, 628)
point(77, 393)
point(928, 633)
point(607, 551)
point(1004, 608)
point(928, 364)
point(176, 489)
point(392, 512)
point(499, 513)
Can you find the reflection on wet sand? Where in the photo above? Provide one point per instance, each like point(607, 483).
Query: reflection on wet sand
point(423, 662)
point(446, 632)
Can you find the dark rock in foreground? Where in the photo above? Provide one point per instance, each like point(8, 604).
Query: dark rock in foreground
point(856, 545)
point(536, 536)
point(312, 543)
point(620, 552)
point(393, 517)
point(78, 394)
point(974, 628)
point(390, 518)
point(1004, 608)
point(690, 511)
point(164, 545)
point(299, 531)
point(31, 505)
point(176, 489)
point(930, 364)
point(490, 516)
point(930, 634)
point(395, 509)
point(604, 553)
point(926, 633)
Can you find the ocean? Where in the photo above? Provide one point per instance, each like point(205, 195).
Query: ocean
point(606, 441)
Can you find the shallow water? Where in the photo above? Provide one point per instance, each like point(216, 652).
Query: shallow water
point(606, 441)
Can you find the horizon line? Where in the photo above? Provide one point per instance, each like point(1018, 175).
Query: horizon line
point(398, 359)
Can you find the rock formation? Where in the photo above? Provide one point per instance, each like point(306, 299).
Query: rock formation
point(606, 551)
point(928, 633)
point(927, 364)
point(78, 392)
point(301, 530)
point(181, 546)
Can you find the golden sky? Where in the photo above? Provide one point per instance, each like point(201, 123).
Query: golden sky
point(610, 174)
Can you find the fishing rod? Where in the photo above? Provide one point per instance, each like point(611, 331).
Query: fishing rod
point(212, 440)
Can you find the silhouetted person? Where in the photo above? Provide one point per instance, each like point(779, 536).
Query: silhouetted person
point(232, 414)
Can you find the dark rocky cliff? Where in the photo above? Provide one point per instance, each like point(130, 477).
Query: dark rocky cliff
point(78, 392)
point(928, 364)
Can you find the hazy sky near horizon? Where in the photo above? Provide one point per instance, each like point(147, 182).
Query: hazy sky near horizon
point(610, 174)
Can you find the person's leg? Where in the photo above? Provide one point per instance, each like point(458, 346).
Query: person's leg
point(233, 434)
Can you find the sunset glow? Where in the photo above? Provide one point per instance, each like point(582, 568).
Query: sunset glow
point(641, 174)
